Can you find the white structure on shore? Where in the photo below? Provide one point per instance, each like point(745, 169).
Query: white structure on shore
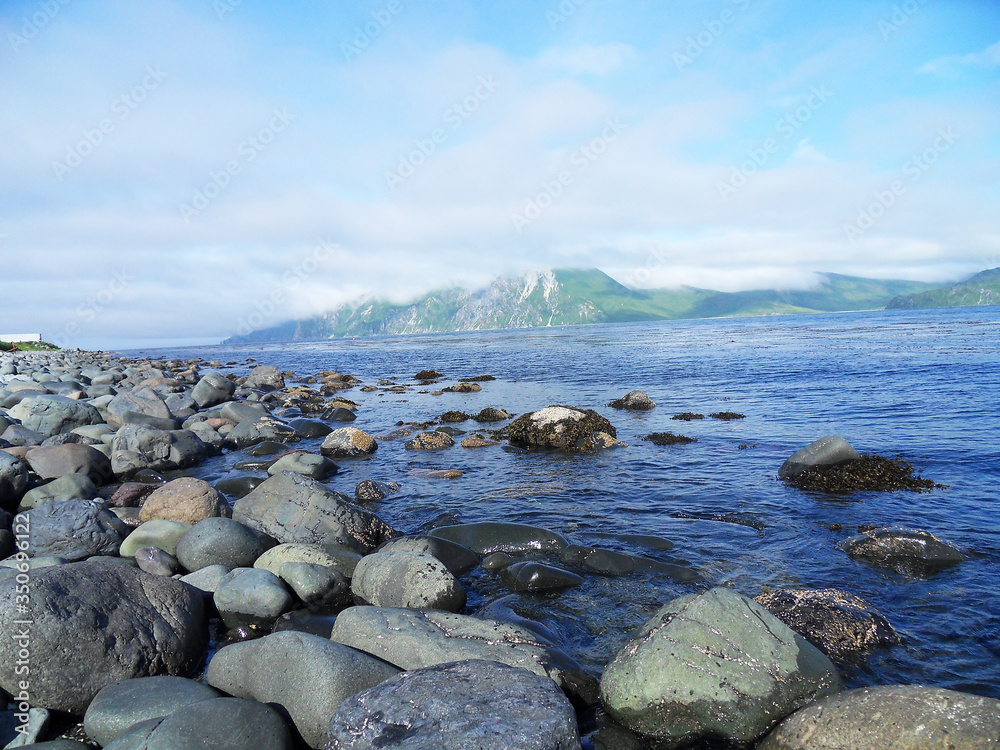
point(14, 338)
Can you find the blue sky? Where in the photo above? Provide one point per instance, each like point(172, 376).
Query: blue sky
point(170, 170)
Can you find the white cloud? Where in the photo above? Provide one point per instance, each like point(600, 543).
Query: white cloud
point(806, 151)
point(599, 61)
point(950, 65)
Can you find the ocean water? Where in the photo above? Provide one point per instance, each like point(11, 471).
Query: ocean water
point(921, 385)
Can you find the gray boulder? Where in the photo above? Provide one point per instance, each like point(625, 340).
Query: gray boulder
point(531, 575)
point(159, 533)
point(237, 411)
point(13, 479)
point(912, 553)
point(140, 401)
point(307, 464)
point(212, 389)
point(138, 447)
point(252, 431)
point(348, 442)
point(98, 622)
point(19, 435)
point(74, 530)
point(50, 414)
point(251, 598)
point(52, 462)
point(560, 428)
point(306, 675)
point(466, 704)
point(414, 580)
point(330, 555)
point(320, 588)
point(154, 560)
point(457, 558)
point(265, 375)
point(69, 487)
point(891, 717)
point(713, 665)
point(217, 724)
point(221, 541)
point(512, 538)
point(412, 639)
point(121, 705)
point(207, 580)
point(634, 401)
point(829, 451)
point(294, 508)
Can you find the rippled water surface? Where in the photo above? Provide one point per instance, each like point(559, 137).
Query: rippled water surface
point(922, 385)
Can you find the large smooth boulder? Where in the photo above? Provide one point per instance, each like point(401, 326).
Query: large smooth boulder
point(74, 530)
point(140, 401)
point(560, 428)
point(832, 450)
point(212, 390)
point(137, 447)
point(466, 704)
point(294, 508)
point(52, 462)
point(891, 717)
point(251, 598)
point(266, 376)
point(252, 431)
point(94, 623)
point(456, 557)
point(491, 536)
point(306, 675)
point(713, 665)
point(13, 479)
point(307, 464)
point(185, 499)
point(841, 625)
point(342, 560)
point(321, 588)
point(406, 579)
point(121, 705)
point(413, 639)
point(912, 553)
point(50, 414)
point(217, 724)
point(221, 541)
point(159, 533)
point(69, 487)
point(348, 442)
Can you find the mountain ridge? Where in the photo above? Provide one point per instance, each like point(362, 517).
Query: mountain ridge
point(981, 289)
point(572, 296)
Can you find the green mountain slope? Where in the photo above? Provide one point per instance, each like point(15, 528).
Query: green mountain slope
point(574, 297)
point(981, 289)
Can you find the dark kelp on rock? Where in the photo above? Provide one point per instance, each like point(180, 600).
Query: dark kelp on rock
point(866, 474)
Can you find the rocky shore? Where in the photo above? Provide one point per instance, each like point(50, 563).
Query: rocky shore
point(142, 608)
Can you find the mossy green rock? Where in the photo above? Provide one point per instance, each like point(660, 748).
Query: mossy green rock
point(560, 428)
point(713, 665)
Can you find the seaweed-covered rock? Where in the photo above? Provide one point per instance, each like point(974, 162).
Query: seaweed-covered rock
point(668, 438)
point(458, 706)
point(492, 414)
point(368, 490)
point(430, 441)
point(841, 625)
point(454, 417)
point(713, 665)
point(891, 717)
point(634, 401)
point(913, 553)
point(829, 451)
point(348, 442)
point(559, 428)
point(869, 473)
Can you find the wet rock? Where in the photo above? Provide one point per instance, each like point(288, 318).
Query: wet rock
point(69, 487)
point(535, 576)
point(212, 390)
point(74, 530)
point(131, 494)
point(727, 416)
point(207, 580)
point(267, 448)
point(238, 411)
point(454, 417)
point(687, 416)
point(891, 717)
point(318, 586)
point(464, 388)
point(634, 401)
point(307, 464)
point(869, 473)
point(304, 621)
point(217, 724)
point(120, 622)
point(492, 414)
point(428, 375)
point(369, 490)
point(340, 414)
point(138, 447)
point(251, 598)
point(265, 376)
point(13, 479)
point(221, 541)
point(238, 487)
point(306, 675)
point(601, 561)
point(252, 431)
point(498, 561)
point(339, 559)
point(123, 704)
point(668, 438)
point(154, 560)
point(912, 553)
point(477, 441)
point(412, 639)
point(489, 537)
point(829, 451)
point(186, 499)
point(430, 441)
point(559, 428)
point(713, 665)
point(348, 442)
point(157, 533)
point(50, 414)
point(841, 625)
point(456, 558)
point(310, 428)
point(414, 580)
point(57, 461)
point(467, 704)
point(126, 406)
point(294, 508)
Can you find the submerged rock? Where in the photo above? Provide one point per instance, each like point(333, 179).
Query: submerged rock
point(458, 706)
point(668, 438)
point(559, 428)
point(536, 576)
point(634, 401)
point(912, 553)
point(489, 537)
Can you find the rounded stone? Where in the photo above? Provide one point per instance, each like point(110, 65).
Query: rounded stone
point(348, 442)
point(164, 535)
point(413, 580)
point(186, 499)
point(220, 541)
